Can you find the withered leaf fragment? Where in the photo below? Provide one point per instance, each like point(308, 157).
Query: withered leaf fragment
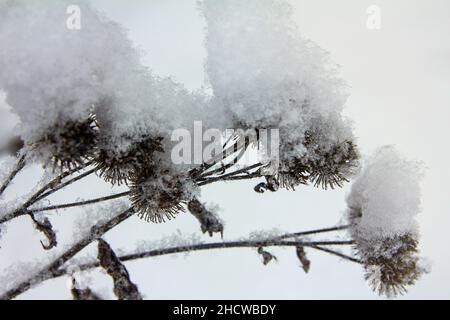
point(301, 254)
point(44, 226)
point(124, 289)
point(267, 256)
point(82, 294)
point(208, 221)
point(272, 185)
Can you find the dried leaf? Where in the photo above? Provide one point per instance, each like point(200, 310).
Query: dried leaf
point(260, 187)
point(272, 185)
point(306, 263)
point(124, 289)
point(208, 221)
point(82, 294)
point(267, 256)
point(46, 228)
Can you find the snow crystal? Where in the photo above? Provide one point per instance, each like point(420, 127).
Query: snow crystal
point(385, 197)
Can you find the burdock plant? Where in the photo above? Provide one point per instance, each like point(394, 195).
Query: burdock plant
point(88, 106)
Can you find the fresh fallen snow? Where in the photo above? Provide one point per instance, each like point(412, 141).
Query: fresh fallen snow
point(264, 74)
point(52, 75)
point(387, 194)
point(7, 121)
point(261, 71)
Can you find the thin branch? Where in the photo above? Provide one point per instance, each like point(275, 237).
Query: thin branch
point(47, 272)
point(81, 203)
point(213, 161)
point(228, 165)
point(230, 178)
point(305, 233)
point(344, 256)
point(218, 245)
point(65, 184)
point(53, 185)
point(19, 166)
point(234, 173)
point(231, 244)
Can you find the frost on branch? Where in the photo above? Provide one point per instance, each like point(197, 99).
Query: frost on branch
point(382, 207)
point(97, 215)
point(265, 75)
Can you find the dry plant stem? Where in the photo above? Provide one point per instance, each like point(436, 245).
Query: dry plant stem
point(231, 178)
point(55, 182)
point(47, 272)
point(53, 185)
point(81, 203)
point(243, 170)
point(225, 154)
point(228, 165)
point(344, 256)
point(19, 166)
point(221, 245)
point(305, 233)
point(65, 184)
point(233, 244)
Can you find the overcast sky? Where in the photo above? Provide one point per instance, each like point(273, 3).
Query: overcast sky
point(399, 79)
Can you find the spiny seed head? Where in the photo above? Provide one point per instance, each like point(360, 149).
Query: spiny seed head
point(69, 144)
point(329, 169)
point(117, 167)
point(334, 167)
point(391, 264)
point(294, 175)
point(157, 195)
point(324, 169)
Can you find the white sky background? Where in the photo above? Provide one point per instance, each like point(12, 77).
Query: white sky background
point(399, 80)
